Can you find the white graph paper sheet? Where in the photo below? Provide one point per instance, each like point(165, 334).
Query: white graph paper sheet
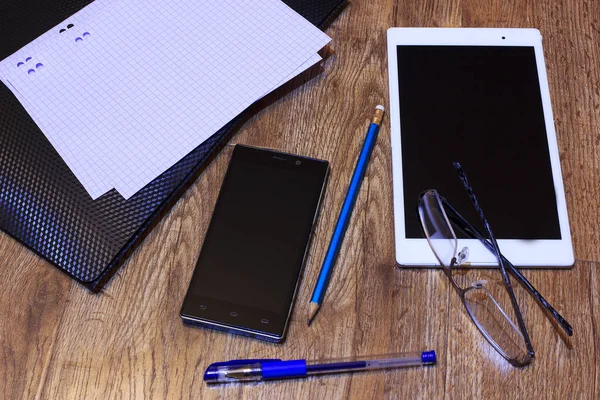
point(126, 93)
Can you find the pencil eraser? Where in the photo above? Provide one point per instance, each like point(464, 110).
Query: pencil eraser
point(380, 107)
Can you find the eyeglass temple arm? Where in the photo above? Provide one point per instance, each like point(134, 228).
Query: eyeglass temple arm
point(473, 232)
point(496, 251)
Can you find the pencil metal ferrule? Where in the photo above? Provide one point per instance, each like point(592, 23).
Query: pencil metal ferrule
point(378, 116)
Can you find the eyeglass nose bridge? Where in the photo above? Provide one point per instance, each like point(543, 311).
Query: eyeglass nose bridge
point(457, 261)
point(448, 270)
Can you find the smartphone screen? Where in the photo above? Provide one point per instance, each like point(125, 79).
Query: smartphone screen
point(247, 273)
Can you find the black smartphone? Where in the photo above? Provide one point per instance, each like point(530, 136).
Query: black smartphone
point(255, 247)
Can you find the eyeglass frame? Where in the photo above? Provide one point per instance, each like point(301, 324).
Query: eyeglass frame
point(453, 217)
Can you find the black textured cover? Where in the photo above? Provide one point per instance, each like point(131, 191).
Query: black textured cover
point(44, 206)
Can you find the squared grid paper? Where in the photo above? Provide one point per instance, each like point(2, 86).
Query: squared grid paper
point(152, 82)
point(47, 41)
point(95, 9)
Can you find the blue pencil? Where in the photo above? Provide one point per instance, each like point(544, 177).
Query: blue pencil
point(345, 213)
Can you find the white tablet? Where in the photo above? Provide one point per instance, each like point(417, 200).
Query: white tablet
point(479, 97)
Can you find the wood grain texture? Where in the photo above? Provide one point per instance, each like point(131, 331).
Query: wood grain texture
point(571, 32)
point(564, 367)
point(57, 340)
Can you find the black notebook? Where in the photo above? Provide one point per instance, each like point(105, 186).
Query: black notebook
point(43, 205)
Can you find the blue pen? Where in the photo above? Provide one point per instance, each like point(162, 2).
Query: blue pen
point(270, 369)
point(345, 213)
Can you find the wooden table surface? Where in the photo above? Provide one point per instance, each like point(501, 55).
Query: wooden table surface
point(57, 340)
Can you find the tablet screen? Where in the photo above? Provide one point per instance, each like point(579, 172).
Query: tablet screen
point(480, 106)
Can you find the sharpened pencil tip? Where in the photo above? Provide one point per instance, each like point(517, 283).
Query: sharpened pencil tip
point(312, 311)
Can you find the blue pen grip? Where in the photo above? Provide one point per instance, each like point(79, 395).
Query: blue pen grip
point(284, 369)
point(345, 213)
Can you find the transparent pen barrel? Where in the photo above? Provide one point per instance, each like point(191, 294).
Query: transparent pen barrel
point(395, 363)
point(365, 363)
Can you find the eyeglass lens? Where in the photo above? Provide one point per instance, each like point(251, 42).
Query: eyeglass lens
point(488, 315)
point(438, 230)
point(496, 324)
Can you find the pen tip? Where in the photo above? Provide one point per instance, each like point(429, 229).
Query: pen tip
point(308, 321)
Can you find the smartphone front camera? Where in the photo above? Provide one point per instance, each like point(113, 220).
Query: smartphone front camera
point(298, 162)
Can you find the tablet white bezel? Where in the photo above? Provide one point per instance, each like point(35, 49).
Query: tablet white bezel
point(529, 253)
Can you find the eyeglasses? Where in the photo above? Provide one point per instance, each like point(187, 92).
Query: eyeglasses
point(508, 338)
